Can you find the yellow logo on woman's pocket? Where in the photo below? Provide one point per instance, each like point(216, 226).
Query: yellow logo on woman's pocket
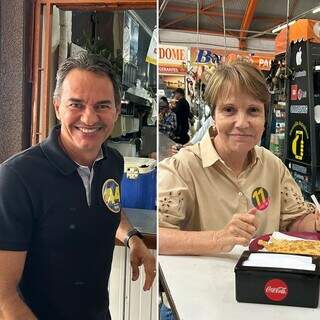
point(111, 195)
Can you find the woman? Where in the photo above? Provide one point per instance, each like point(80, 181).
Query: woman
point(225, 190)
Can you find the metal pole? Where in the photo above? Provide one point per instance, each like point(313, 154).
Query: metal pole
point(224, 31)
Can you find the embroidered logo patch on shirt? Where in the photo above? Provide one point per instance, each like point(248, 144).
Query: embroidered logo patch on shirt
point(260, 198)
point(111, 195)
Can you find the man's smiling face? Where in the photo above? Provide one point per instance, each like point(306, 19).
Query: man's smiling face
point(87, 111)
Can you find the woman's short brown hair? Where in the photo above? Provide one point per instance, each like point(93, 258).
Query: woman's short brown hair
point(239, 74)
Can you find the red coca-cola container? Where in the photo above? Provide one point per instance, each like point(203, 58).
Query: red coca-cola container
point(276, 285)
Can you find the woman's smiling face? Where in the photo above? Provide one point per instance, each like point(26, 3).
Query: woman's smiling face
point(239, 121)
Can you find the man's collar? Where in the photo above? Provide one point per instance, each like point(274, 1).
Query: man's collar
point(57, 156)
point(100, 156)
point(210, 156)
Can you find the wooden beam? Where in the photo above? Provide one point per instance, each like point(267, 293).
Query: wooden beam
point(101, 4)
point(102, 8)
point(246, 22)
point(36, 72)
point(181, 18)
point(106, 2)
point(46, 76)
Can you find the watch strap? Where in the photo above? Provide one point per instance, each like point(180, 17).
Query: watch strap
point(130, 234)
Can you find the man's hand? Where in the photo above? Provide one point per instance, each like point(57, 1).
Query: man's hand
point(240, 230)
point(140, 255)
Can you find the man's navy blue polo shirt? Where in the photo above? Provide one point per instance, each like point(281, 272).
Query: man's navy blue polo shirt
point(44, 211)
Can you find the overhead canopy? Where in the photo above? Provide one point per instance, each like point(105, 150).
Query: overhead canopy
point(303, 29)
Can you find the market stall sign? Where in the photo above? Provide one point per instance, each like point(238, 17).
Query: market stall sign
point(209, 56)
point(299, 137)
point(173, 82)
point(172, 59)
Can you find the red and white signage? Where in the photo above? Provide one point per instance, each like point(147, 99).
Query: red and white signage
point(276, 290)
point(297, 93)
point(172, 59)
point(294, 92)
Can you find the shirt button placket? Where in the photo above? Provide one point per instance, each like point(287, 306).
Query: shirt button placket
point(242, 202)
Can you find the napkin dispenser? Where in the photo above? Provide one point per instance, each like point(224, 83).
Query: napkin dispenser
point(277, 286)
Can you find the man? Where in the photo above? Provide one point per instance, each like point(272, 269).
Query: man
point(167, 118)
point(197, 137)
point(182, 111)
point(60, 206)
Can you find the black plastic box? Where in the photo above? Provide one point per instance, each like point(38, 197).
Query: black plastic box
point(277, 286)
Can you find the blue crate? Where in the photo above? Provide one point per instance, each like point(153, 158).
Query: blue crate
point(138, 185)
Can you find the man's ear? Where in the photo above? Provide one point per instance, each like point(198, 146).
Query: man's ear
point(56, 104)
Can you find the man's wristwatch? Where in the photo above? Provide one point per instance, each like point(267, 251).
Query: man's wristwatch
point(131, 233)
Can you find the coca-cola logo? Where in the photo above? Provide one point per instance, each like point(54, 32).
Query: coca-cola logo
point(276, 290)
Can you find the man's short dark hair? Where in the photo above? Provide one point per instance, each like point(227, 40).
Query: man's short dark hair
point(180, 91)
point(164, 99)
point(88, 62)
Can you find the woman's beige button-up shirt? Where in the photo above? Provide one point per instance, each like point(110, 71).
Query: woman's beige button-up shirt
point(197, 191)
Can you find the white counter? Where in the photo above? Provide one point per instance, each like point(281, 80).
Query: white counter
point(203, 288)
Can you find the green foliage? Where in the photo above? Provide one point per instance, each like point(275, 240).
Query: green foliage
point(97, 46)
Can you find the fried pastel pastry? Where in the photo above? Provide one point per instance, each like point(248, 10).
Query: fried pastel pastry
point(292, 246)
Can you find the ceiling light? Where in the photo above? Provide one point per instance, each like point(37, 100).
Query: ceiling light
point(316, 10)
point(277, 29)
point(283, 26)
point(291, 22)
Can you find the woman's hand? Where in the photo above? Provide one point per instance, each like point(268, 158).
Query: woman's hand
point(240, 230)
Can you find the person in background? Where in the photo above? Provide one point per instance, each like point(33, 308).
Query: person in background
point(60, 207)
point(167, 118)
point(196, 138)
point(226, 190)
point(182, 109)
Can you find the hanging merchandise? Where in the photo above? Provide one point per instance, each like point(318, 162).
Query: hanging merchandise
point(275, 130)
